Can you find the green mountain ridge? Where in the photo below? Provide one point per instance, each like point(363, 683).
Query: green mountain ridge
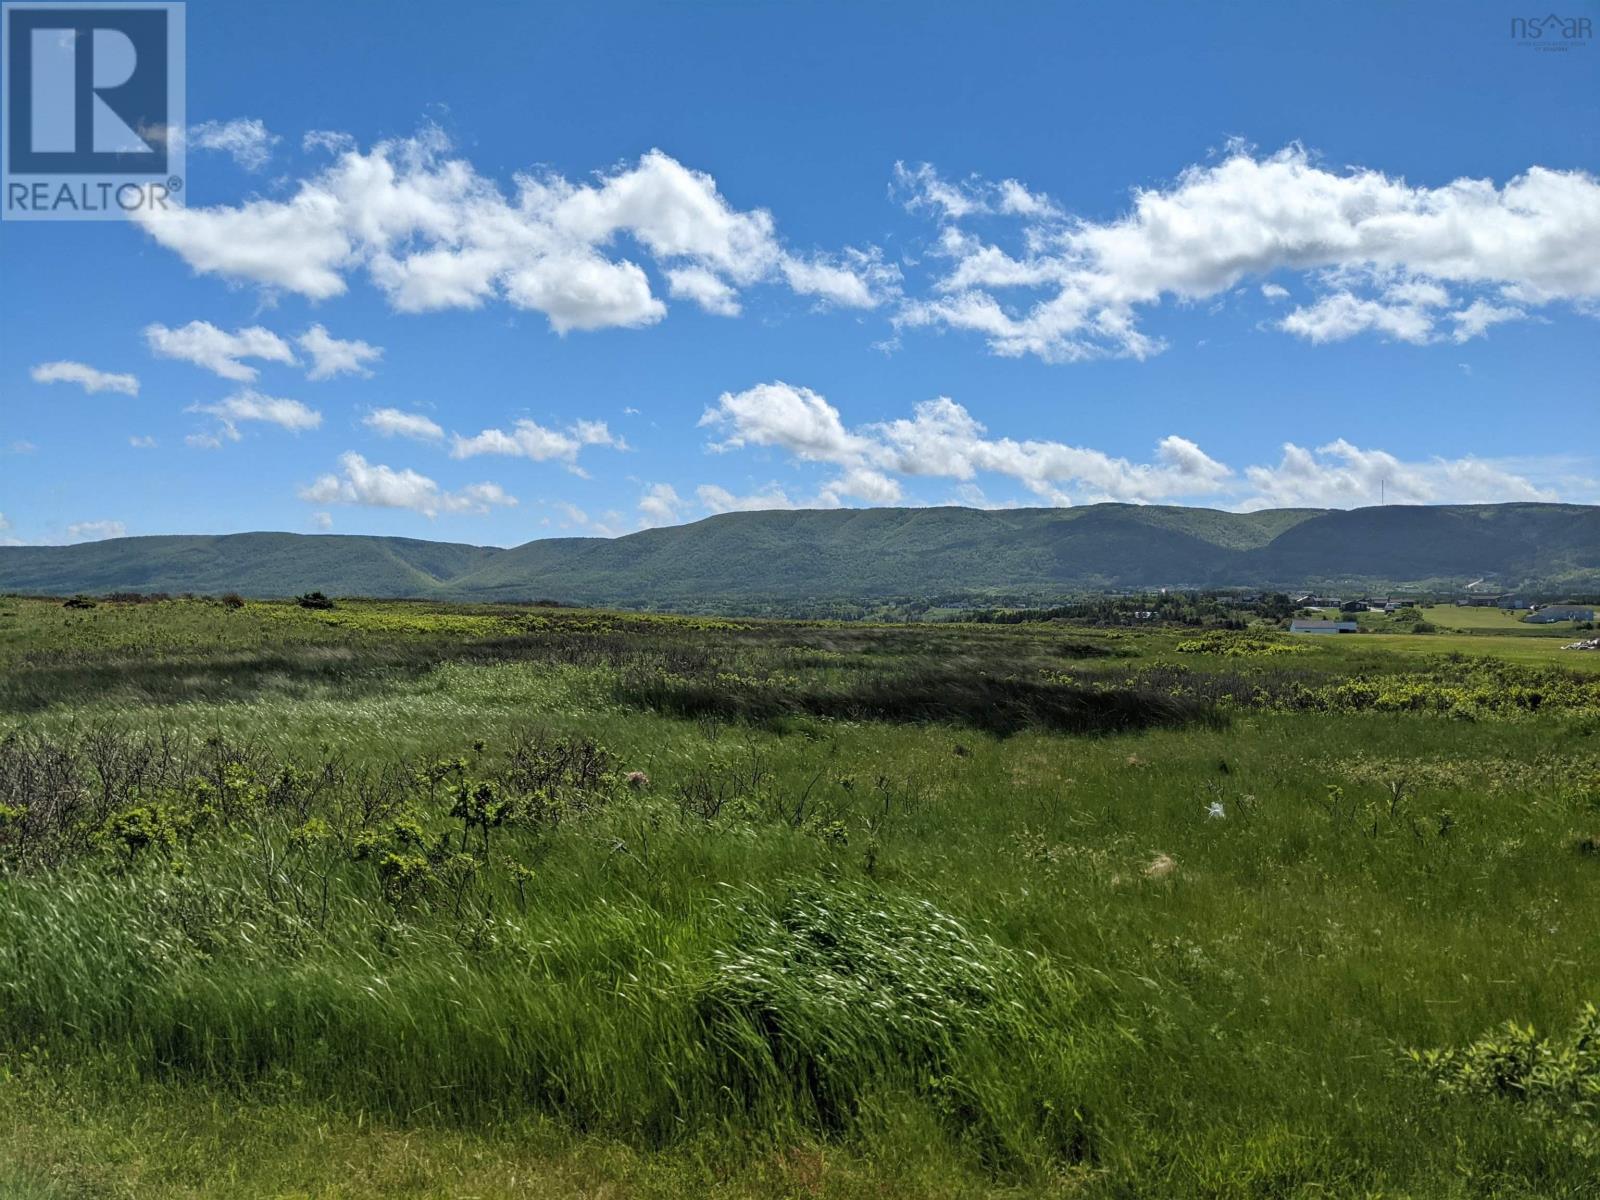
point(800, 556)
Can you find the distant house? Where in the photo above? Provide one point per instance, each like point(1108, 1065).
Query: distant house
point(1551, 613)
point(1323, 627)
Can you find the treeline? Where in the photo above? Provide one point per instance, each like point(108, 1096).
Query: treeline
point(1192, 609)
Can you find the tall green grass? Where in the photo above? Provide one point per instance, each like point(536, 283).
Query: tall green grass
point(496, 914)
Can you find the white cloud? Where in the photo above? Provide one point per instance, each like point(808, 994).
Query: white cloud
point(706, 288)
point(1340, 475)
point(245, 138)
point(204, 345)
point(432, 233)
point(379, 486)
point(5, 525)
point(322, 521)
point(96, 531)
point(328, 140)
point(86, 377)
point(852, 279)
point(795, 419)
point(142, 442)
point(330, 356)
point(572, 517)
point(717, 499)
point(1342, 315)
point(860, 483)
point(1476, 318)
point(1018, 201)
point(392, 422)
point(941, 439)
point(921, 187)
point(1273, 292)
point(528, 439)
point(248, 405)
point(970, 495)
point(572, 514)
point(1387, 251)
point(660, 505)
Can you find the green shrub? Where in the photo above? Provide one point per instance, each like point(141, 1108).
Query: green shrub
point(1553, 1079)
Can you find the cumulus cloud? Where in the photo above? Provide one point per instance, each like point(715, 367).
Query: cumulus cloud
point(142, 442)
point(859, 483)
point(86, 377)
point(1343, 315)
point(706, 288)
point(1340, 475)
point(795, 419)
point(942, 440)
point(531, 440)
point(1391, 258)
point(660, 505)
point(96, 531)
point(246, 139)
point(392, 422)
point(217, 350)
point(248, 405)
point(432, 233)
point(718, 499)
point(330, 356)
point(378, 486)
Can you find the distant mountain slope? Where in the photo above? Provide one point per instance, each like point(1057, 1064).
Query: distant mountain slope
point(257, 564)
point(869, 553)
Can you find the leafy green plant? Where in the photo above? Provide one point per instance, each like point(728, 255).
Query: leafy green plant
point(1554, 1079)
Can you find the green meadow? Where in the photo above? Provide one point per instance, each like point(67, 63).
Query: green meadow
point(431, 900)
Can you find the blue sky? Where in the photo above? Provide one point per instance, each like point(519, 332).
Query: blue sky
point(490, 272)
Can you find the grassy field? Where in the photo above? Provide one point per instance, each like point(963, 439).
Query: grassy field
point(1494, 621)
point(406, 899)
